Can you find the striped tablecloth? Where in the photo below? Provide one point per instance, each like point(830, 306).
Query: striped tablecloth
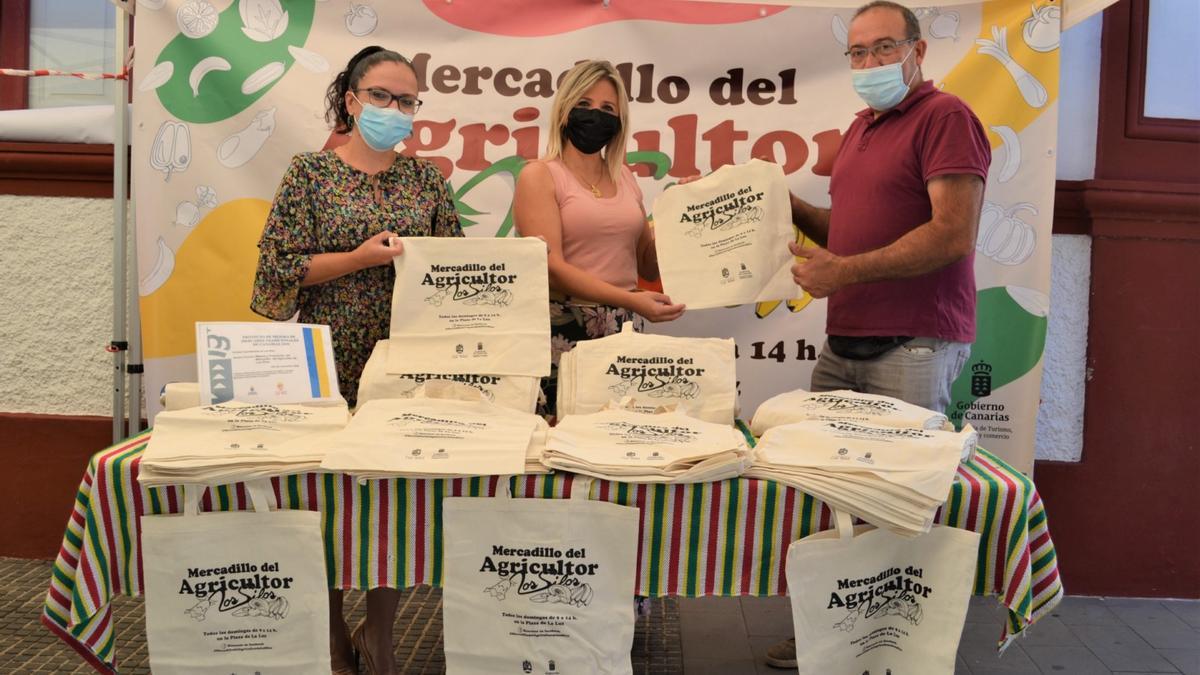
point(725, 538)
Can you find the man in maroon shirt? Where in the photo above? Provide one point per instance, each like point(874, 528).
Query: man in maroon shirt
point(899, 236)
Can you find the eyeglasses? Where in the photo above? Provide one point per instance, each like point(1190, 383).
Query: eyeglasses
point(880, 50)
point(382, 98)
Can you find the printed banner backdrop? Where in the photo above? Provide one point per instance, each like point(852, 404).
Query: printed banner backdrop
point(226, 91)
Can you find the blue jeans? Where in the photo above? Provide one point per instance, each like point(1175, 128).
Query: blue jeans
point(919, 372)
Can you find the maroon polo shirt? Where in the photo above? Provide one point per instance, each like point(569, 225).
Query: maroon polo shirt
point(879, 193)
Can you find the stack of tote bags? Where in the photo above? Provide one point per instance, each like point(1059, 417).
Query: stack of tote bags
point(622, 444)
point(696, 375)
point(509, 391)
point(445, 430)
point(233, 441)
point(843, 405)
point(892, 477)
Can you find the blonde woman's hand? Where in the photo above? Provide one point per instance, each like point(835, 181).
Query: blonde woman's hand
point(655, 307)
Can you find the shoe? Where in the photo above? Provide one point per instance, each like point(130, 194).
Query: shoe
point(358, 638)
point(782, 654)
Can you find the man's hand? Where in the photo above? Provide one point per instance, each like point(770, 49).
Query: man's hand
point(820, 273)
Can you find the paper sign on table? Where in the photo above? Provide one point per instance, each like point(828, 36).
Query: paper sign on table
point(261, 362)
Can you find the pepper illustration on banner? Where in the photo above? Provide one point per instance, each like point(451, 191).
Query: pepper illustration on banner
point(252, 37)
point(171, 150)
point(1009, 340)
point(1003, 236)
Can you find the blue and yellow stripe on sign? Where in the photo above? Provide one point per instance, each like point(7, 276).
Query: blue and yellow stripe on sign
point(318, 369)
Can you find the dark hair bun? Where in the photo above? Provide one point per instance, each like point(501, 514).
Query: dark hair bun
point(335, 96)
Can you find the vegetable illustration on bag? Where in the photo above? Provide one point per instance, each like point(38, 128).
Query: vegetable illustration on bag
point(580, 596)
point(274, 608)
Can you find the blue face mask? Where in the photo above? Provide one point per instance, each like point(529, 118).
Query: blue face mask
point(882, 87)
point(383, 128)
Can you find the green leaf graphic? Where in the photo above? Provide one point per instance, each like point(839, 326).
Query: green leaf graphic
point(219, 93)
point(1010, 337)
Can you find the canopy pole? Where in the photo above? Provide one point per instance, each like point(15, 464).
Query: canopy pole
point(119, 344)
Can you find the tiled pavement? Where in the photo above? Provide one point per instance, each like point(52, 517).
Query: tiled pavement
point(1085, 636)
point(726, 636)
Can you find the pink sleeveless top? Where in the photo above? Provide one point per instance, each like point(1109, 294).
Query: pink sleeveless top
point(600, 234)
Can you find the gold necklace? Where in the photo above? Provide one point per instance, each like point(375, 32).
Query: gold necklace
point(592, 186)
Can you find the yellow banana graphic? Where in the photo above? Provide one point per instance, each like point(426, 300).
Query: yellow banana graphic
point(762, 309)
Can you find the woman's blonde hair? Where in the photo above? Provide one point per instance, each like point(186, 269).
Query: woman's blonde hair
point(575, 83)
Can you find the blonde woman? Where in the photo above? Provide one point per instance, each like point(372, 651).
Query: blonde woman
point(585, 203)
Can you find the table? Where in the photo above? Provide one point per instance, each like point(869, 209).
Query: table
point(724, 538)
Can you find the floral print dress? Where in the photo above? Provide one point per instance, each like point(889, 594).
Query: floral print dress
point(570, 323)
point(324, 205)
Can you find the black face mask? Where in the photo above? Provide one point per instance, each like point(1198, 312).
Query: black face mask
point(590, 129)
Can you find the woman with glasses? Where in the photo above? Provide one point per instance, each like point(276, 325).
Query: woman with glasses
point(585, 203)
point(326, 253)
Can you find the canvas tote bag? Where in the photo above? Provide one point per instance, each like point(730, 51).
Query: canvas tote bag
point(865, 600)
point(845, 405)
point(242, 593)
point(722, 240)
point(539, 585)
point(697, 375)
point(471, 305)
point(509, 391)
point(433, 437)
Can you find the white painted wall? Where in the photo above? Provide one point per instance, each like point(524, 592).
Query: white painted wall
point(1060, 415)
point(56, 291)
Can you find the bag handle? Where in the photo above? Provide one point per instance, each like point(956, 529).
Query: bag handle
point(261, 495)
point(191, 500)
point(843, 522)
point(504, 488)
point(581, 487)
point(259, 491)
